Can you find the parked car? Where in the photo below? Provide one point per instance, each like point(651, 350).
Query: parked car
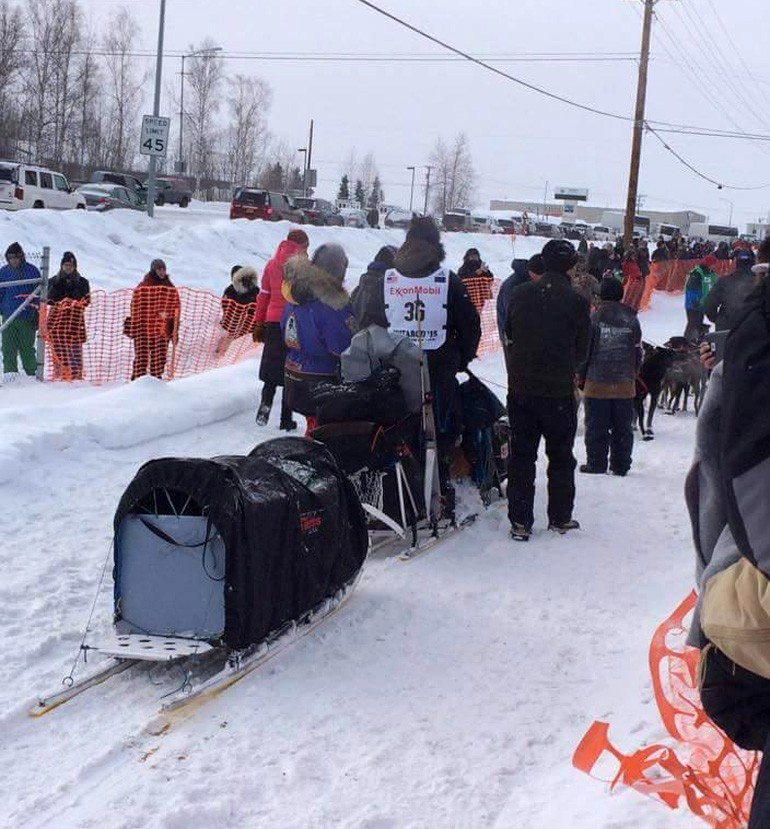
point(398, 218)
point(354, 217)
point(122, 180)
point(27, 185)
point(252, 203)
point(319, 211)
point(602, 233)
point(101, 197)
point(547, 229)
point(170, 191)
point(456, 220)
point(509, 226)
point(485, 224)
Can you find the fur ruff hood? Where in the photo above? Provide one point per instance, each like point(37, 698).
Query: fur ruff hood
point(245, 280)
point(305, 282)
point(416, 257)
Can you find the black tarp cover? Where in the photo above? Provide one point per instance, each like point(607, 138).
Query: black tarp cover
point(293, 528)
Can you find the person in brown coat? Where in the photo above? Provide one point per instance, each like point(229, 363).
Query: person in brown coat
point(154, 321)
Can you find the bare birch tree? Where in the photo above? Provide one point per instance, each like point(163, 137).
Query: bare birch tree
point(124, 89)
point(11, 64)
point(454, 180)
point(205, 78)
point(249, 101)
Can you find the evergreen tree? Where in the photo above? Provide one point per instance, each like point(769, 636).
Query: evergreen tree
point(272, 177)
point(344, 191)
point(294, 179)
point(360, 193)
point(375, 197)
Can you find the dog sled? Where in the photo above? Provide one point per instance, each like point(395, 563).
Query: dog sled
point(378, 424)
point(218, 562)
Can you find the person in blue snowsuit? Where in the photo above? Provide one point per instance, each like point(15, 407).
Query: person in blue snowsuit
point(18, 337)
point(317, 325)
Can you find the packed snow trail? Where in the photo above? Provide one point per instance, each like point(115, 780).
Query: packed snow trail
point(448, 692)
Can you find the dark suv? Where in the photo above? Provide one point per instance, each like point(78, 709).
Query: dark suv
point(319, 212)
point(122, 180)
point(249, 203)
point(170, 191)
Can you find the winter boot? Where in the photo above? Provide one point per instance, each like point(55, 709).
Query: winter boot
point(520, 532)
point(263, 414)
point(448, 504)
point(563, 526)
point(590, 470)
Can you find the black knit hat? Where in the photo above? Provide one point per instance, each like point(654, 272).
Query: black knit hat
point(535, 264)
point(385, 255)
point(610, 289)
point(69, 256)
point(559, 255)
point(424, 228)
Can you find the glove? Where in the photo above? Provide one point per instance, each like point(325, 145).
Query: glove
point(258, 333)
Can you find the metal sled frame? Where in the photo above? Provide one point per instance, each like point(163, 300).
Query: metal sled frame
point(377, 512)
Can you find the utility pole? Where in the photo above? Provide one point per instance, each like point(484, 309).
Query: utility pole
point(156, 108)
point(427, 189)
point(636, 144)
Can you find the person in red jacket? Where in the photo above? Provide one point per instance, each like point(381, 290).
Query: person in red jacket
point(267, 327)
point(633, 281)
point(154, 321)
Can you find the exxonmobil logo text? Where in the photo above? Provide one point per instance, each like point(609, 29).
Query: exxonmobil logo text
point(416, 290)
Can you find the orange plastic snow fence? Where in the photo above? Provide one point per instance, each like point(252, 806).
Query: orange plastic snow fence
point(165, 332)
point(671, 277)
point(705, 773)
point(125, 334)
point(176, 332)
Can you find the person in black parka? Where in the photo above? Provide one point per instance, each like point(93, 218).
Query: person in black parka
point(547, 328)
point(68, 295)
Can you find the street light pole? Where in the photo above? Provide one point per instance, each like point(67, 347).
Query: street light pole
point(730, 217)
point(411, 190)
point(180, 162)
point(156, 107)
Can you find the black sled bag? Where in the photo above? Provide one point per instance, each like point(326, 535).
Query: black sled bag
point(234, 547)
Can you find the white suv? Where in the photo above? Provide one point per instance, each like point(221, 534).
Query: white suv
point(27, 185)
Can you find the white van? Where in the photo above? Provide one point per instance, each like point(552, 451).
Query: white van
point(603, 233)
point(27, 185)
point(485, 224)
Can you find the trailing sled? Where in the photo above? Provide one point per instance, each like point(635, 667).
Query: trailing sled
point(220, 561)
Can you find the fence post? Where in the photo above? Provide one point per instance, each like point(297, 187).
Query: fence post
point(44, 269)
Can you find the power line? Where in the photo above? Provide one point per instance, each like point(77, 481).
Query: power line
point(702, 131)
point(712, 47)
point(697, 172)
point(490, 68)
point(713, 100)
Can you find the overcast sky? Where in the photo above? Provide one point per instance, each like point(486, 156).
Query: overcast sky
point(707, 70)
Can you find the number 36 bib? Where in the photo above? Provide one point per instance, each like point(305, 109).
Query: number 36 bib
point(417, 308)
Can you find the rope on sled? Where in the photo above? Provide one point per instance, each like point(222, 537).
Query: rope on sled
point(70, 678)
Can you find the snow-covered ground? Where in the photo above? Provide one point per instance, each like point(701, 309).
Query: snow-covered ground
point(450, 691)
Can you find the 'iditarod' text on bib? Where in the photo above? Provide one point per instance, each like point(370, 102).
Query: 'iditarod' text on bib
point(417, 307)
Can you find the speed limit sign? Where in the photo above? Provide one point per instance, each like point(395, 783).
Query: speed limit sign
point(154, 138)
